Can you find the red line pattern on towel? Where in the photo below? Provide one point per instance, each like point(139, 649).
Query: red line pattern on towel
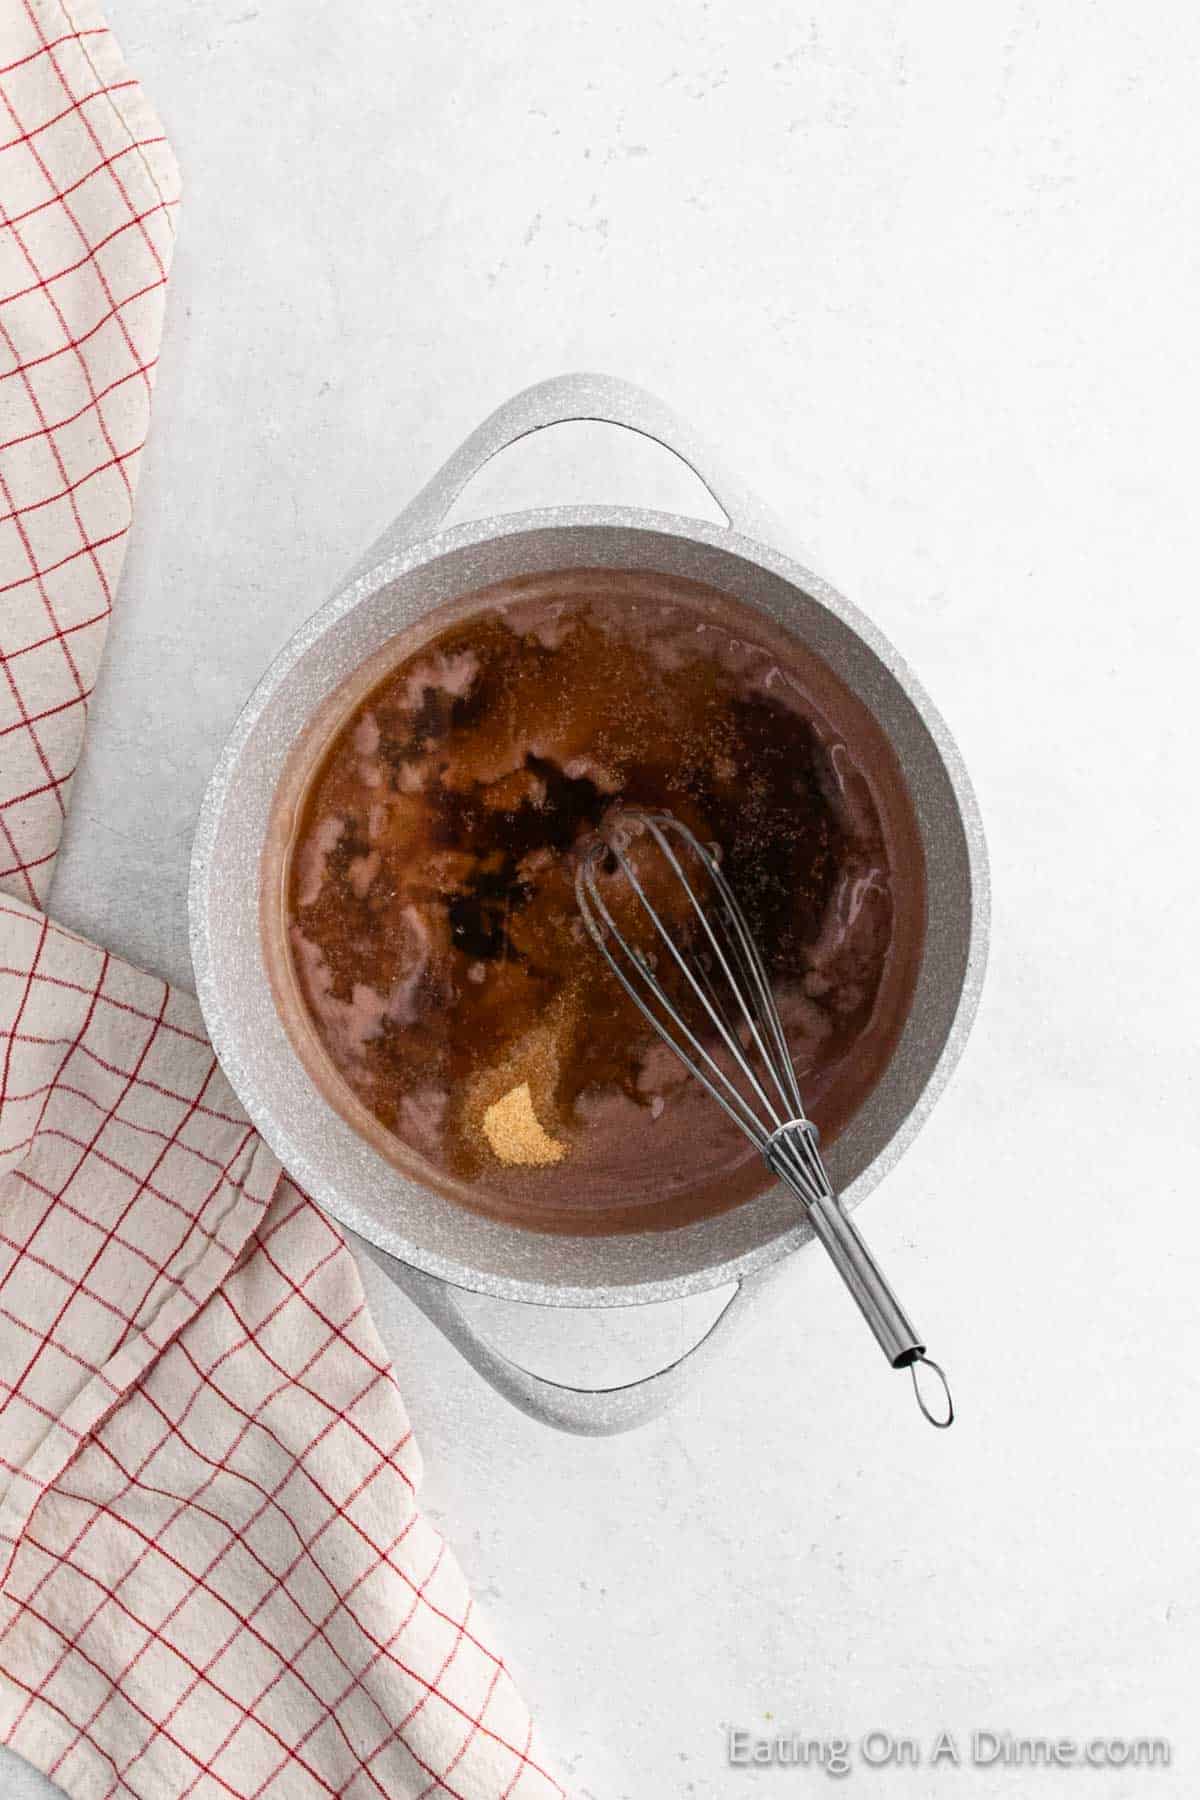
point(88, 190)
point(215, 1578)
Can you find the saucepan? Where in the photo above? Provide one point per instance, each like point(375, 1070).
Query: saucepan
point(432, 1247)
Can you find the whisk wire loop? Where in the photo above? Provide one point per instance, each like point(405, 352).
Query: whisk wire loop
point(781, 1066)
point(694, 972)
point(704, 1068)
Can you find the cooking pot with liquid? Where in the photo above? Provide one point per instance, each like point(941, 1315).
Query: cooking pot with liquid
point(431, 1246)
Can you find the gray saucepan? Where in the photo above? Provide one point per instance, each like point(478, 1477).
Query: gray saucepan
point(429, 1245)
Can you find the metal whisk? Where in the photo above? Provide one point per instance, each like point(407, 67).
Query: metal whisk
point(718, 974)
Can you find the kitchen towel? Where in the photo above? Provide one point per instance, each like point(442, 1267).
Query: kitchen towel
point(215, 1578)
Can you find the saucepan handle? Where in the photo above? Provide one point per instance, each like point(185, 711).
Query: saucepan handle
point(569, 399)
point(587, 1412)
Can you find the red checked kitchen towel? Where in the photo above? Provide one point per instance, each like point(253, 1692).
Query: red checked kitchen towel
point(214, 1576)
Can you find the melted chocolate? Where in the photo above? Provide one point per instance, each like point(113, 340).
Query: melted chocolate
point(430, 906)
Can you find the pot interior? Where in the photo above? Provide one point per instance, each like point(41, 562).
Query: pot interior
point(334, 1162)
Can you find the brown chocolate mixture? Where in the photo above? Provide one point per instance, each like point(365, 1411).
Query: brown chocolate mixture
point(433, 929)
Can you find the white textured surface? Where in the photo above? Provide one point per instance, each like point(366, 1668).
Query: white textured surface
point(929, 275)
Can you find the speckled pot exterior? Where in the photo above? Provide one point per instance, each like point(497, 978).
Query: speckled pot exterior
point(416, 566)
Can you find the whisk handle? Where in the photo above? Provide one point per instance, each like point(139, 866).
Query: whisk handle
point(851, 1256)
point(793, 1155)
point(894, 1331)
